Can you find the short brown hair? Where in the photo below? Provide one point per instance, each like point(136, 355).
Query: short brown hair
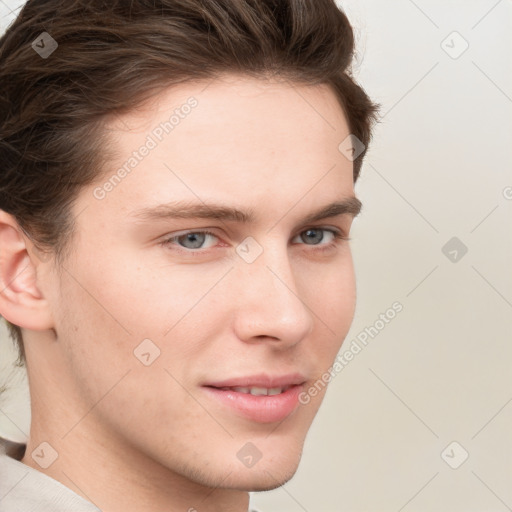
point(112, 55)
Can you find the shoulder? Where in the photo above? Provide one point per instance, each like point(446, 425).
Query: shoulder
point(24, 489)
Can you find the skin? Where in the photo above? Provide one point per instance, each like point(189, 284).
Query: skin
point(127, 434)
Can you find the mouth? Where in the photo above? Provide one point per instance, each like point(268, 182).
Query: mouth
point(260, 399)
point(256, 391)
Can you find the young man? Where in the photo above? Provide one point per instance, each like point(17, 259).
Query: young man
point(176, 194)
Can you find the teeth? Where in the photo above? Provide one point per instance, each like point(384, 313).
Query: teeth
point(257, 391)
point(241, 390)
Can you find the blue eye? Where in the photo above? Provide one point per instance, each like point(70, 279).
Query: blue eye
point(193, 239)
point(192, 242)
point(315, 239)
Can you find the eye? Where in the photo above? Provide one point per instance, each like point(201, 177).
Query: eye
point(316, 235)
point(191, 239)
point(192, 242)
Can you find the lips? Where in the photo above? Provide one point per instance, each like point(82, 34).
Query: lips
point(259, 398)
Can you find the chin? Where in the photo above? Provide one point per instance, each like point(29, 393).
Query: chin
point(262, 480)
point(266, 475)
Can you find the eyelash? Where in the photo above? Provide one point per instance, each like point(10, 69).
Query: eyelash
point(338, 237)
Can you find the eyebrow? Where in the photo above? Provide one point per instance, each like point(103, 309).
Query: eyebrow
point(192, 210)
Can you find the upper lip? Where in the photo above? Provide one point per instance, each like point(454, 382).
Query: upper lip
point(260, 381)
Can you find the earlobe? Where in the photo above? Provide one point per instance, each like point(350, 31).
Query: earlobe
point(21, 300)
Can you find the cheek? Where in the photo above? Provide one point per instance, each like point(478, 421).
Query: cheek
point(332, 302)
point(94, 323)
point(105, 365)
point(330, 291)
point(149, 296)
point(110, 316)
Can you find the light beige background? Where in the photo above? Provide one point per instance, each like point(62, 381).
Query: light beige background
point(440, 371)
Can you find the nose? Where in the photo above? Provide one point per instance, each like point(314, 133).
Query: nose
point(269, 306)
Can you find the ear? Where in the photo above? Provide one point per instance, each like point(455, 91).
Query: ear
point(21, 301)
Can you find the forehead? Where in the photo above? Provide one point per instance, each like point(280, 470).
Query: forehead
point(236, 110)
point(232, 138)
point(229, 92)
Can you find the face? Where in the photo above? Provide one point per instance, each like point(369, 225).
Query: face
point(174, 324)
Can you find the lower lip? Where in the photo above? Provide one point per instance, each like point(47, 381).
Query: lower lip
point(263, 408)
